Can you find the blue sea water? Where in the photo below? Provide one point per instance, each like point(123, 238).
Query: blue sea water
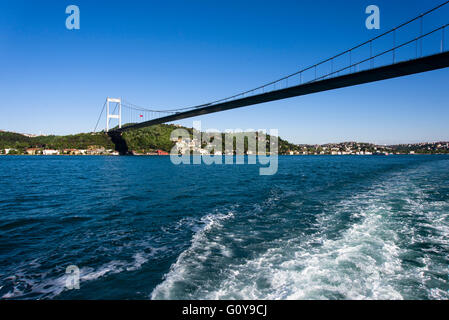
point(323, 227)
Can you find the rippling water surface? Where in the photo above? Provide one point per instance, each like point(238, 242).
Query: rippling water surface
point(142, 228)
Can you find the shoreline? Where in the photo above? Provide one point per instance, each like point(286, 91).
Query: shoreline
point(281, 155)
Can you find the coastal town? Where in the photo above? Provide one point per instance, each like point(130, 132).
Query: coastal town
point(187, 146)
point(356, 148)
point(91, 151)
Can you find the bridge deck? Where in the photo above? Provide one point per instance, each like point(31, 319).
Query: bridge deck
point(429, 63)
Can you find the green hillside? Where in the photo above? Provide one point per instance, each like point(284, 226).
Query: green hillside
point(78, 141)
point(13, 140)
point(140, 140)
point(150, 138)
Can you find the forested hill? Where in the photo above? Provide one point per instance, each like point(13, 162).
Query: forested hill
point(140, 140)
point(78, 141)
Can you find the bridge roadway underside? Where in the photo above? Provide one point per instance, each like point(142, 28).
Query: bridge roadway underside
point(429, 63)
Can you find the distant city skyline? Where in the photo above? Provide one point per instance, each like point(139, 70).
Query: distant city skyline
point(177, 54)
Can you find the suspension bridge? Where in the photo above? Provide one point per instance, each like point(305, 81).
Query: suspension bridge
point(407, 49)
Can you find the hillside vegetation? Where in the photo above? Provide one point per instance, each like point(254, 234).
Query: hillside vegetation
point(78, 141)
point(139, 140)
point(150, 138)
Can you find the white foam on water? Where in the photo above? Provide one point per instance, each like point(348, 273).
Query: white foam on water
point(47, 287)
point(193, 257)
point(358, 265)
point(428, 232)
point(364, 261)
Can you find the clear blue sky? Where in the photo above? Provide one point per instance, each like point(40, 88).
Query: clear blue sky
point(182, 53)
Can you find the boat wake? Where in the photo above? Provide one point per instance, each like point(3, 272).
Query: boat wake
point(384, 243)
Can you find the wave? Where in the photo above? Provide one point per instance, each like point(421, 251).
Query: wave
point(194, 256)
point(356, 266)
point(31, 286)
point(359, 250)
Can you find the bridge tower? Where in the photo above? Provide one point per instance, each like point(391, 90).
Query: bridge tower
point(113, 116)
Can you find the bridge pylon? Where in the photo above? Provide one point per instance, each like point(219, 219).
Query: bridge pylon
point(113, 116)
